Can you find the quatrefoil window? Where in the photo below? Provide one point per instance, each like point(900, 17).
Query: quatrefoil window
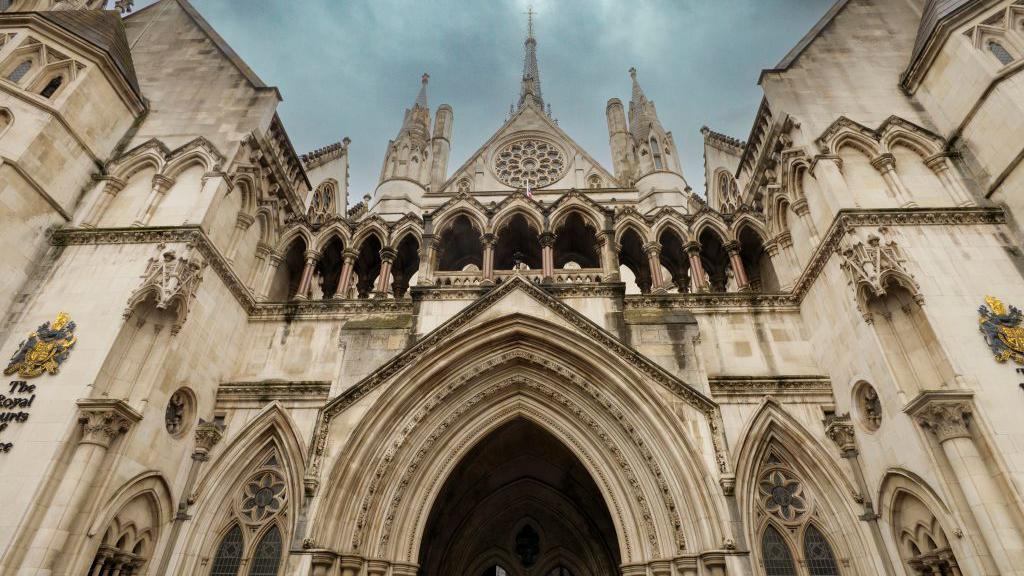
point(531, 161)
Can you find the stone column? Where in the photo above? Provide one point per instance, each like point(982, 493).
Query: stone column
point(242, 223)
point(258, 267)
point(653, 252)
point(351, 565)
point(161, 184)
point(697, 276)
point(66, 518)
point(207, 435)
point(427, 253)
point(714, 564)
point(109, 187)
point(801, 209)
point(661, 568)
point(948, 419)
point(387, 257)
point(733, 248)
point(307, 275)
point(840, 430)
point(348, 256)
point(273, 262)
point(886, 166)
point(609, 257)
point(686, 566)
point(827, 169)
point(376, 568)
point(488, 240)
point(100, 562)
point(939, 164)
point(323, 564)
point(547, 247)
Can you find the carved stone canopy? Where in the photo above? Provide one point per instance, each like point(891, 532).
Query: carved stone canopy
point(871, 261)
point(172, 280)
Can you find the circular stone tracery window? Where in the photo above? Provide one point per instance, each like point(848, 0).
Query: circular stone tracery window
point(529, 161)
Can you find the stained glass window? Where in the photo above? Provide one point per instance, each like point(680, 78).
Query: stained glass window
point(267, 555)
point(18, 73)
point(820, 560)
point(52, 86)
point(1000, 51)
point(229, 554)
point(778, 561)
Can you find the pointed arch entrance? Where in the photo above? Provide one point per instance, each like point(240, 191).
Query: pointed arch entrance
point(522, 502)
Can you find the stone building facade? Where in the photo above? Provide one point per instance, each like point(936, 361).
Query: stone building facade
point(529, 364)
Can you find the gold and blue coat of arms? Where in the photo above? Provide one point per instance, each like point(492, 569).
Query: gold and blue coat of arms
point(1002, 328)
point(45, 349)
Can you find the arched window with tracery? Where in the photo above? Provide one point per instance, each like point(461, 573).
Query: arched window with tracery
point(258, 512)
point(51, 87)
point(818, 554)
point(594, 182)
point(1000, 52)
point(229, 554)
point(321, 207)
point(775, 554)
point(656, 154)
point(20, 71)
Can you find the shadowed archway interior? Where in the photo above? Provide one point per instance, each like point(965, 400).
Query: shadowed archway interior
point(519, 500)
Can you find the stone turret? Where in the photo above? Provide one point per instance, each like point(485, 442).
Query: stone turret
point(620, 141)
point(440, 146)
point(657, 173)
point(408, 164)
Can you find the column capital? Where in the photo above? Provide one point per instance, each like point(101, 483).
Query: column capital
point(692, 247)
point(884, 162)
point(840, 430)
point(275, 258)
point(652, 247)
point(944, 414)
point(103, 421)
point(938, 162)
point(403, 569)
point(547, 239)
point(311, 255)
point(388, 254)
point(732, 247)
point(350, 253)
point(800, 207)
point(243, 220)
point(488, 238)
point(263, 249)
point(113, 184)
point(207, 436)
point(162, 183)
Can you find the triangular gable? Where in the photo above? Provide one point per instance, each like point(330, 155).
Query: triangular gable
point(478, 312)
point(254, 80)
point(525, 120)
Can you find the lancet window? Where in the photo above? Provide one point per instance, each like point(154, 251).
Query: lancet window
point(656, 154)
point(51, 87)
point(20, 71)
point(1000, 52)
point(254, 526)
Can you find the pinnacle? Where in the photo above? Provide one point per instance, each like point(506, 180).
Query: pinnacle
point(421, 98)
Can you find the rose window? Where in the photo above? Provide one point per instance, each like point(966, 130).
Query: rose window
point(536, 163)
point(262, 497)
point(783, 495)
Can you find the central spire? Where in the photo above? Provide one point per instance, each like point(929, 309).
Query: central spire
point(529, 92)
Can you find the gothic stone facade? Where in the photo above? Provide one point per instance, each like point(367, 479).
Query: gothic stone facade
point(528, 364)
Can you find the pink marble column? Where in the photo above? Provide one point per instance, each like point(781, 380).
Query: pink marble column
point(488, 240)
point(547, 244)
point(737, 265)
point(307, 275)
point(699, 279)
point(387, 257)
point(653, 252)
point(348, 262)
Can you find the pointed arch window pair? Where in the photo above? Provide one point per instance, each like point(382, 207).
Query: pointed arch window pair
point(256, 509)
point(778, 558)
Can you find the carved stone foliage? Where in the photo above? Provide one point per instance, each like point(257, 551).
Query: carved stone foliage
point(172, 280)
point(947, 420)
point(102, 421)
point(871, 261)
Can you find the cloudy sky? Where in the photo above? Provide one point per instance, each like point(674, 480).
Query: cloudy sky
point(350, 68)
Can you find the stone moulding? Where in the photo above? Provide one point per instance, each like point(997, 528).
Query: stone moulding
point(786, 301)
point(264, 391)
point(752, 386)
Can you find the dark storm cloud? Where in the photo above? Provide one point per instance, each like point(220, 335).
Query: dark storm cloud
point(350, 68)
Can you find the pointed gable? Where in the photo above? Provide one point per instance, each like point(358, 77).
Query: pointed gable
point(104, 30)
point(527, 123)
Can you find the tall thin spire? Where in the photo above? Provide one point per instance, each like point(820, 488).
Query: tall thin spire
point(421, 98)
point(529, 91)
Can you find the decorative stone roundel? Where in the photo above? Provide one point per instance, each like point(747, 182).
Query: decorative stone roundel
point(783, 495)
point(178, 414)
point(869, 407)
point(530, 161)
point(262, 497)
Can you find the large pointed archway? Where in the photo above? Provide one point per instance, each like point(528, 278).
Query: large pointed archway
point(520, 502)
